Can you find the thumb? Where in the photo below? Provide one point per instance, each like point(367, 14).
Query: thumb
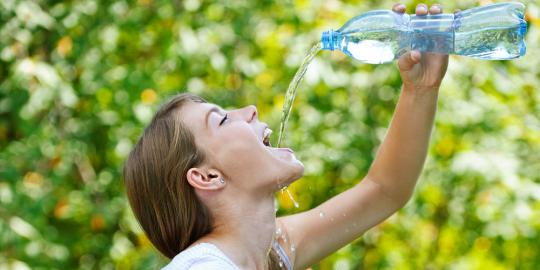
point(408, 60)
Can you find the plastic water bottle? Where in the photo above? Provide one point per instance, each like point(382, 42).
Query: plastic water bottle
point(492, 32)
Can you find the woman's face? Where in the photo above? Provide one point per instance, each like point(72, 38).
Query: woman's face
point(234, 143)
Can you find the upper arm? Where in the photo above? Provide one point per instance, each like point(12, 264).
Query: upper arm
point(321, 231)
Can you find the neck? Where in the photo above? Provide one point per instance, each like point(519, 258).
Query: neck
point(244, 227)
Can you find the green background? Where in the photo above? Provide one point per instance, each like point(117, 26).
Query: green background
point(80, 79)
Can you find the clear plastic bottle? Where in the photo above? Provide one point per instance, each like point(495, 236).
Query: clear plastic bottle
point(492, 32)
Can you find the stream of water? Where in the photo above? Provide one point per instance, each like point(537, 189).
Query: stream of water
point(291, 90)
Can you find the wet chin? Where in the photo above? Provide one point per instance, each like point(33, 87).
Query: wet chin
point(298, 171)
point(282, 166)
point(290, 170)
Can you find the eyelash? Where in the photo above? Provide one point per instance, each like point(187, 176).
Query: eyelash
point(224, 118)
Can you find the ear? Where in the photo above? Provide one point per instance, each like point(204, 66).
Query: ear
point(204, 179)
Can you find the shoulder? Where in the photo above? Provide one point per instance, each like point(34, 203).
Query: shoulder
point(202, 264)
point(203, 256)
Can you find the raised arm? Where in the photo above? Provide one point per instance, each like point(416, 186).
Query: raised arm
point(392, 176)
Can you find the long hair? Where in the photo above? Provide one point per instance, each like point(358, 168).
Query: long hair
point(164, 203)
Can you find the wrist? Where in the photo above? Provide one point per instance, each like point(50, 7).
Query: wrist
point(416, 93)
point(410, 87)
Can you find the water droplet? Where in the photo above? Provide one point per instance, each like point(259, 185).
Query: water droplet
point(278, 231)
point(321, 214)
point(280, 264)
point(293, 248)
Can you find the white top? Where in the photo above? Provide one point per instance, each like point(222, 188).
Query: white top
point(203, 256)
point(206, 256)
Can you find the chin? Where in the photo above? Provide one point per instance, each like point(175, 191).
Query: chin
point(299, 170)
point(286, 167)
point(294, 171)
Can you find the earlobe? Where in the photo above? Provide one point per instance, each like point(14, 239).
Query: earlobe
point(200, 179)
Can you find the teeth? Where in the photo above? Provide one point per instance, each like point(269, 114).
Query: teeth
point(266, 135)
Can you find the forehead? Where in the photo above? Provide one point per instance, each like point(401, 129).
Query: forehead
point(193, 114)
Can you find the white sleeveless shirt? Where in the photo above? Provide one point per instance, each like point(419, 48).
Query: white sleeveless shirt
point(206, 256)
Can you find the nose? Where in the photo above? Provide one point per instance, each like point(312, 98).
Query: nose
point(251, 113)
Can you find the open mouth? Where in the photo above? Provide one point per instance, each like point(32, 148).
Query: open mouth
point(266, 142)
point(266, 137)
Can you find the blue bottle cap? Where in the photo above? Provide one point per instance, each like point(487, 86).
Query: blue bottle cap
point(523, 28)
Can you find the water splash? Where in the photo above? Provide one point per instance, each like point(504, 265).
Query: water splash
point(290, 196)
point(291, 91)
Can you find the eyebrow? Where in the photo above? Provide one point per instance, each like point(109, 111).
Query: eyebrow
point(213, 109)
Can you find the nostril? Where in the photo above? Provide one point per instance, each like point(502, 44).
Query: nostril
point(254, 112)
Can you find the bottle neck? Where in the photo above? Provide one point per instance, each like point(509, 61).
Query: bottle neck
point(330, 40)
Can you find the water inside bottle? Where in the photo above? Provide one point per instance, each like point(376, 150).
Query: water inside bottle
point(291, 90)
point(373, 47)
point(377, 47)
point(490, 44)
point(432, 41)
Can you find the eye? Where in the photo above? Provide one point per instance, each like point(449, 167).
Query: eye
point(224, 119)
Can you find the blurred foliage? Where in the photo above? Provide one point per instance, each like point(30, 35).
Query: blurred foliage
point(80, 79)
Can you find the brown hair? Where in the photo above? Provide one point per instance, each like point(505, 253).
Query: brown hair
point(164, 203)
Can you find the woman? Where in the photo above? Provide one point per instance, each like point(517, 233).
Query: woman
point(201, 180)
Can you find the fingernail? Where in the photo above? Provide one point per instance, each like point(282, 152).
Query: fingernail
point(398, 7)
point(421, 8)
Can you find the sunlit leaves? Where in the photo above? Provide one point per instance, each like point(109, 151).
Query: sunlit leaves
point(80, 79)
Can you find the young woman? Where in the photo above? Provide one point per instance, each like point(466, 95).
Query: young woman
point(201, 180)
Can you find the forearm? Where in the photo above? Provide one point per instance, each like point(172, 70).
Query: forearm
point(401, 156)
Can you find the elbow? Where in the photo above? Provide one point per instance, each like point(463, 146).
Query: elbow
point(401, 199)
point(402, 195)
point(397, 195)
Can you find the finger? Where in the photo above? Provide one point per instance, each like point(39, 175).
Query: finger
point(421, 9)
point(408, 60)
point(398, 7)
point(435, 9)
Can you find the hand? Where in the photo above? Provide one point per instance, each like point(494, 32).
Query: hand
point(422, 70)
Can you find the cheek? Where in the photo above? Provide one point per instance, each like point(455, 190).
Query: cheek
point(241, 147)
